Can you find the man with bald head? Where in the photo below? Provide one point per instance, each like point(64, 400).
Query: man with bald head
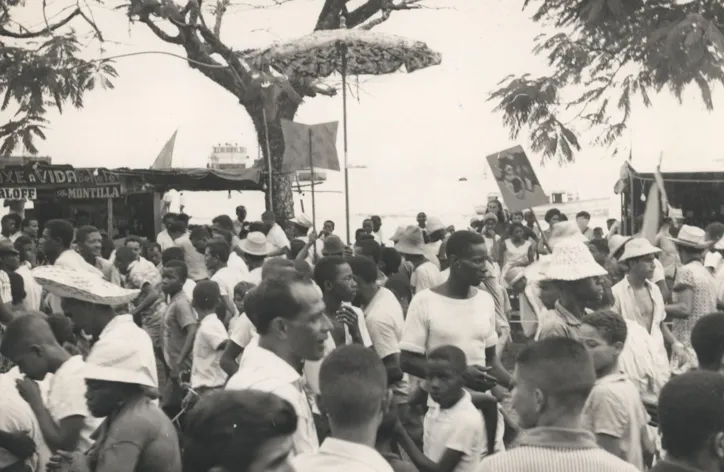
point(64, 419)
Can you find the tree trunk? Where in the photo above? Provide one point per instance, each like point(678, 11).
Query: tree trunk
point(281, 184)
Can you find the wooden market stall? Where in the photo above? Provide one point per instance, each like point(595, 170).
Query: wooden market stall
point(698, 193)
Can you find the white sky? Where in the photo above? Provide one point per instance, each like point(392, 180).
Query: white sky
point(431, 126)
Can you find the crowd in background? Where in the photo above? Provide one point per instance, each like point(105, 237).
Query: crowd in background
point(246, 345)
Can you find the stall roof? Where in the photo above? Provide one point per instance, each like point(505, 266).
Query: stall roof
point(197, 179)
point(683, 173)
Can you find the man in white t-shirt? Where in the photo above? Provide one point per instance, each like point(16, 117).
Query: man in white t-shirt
point(64, 418)
point(334, 276)
point(384, 320)
point(458, 313)
point(16, 418)
point(411, 244)
point(275, 234)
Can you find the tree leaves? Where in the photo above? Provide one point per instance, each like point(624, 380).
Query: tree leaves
point(610, 51)
point(35, 77)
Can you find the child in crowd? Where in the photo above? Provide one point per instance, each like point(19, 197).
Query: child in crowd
point(179, 331)
point(211, 339)
point(241, 332)
point(240, 291)
point(614, 411)
point(454, 432)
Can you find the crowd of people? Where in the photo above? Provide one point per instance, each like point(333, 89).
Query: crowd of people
point(248, 346)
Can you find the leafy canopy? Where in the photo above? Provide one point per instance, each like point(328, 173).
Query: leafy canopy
point(41, 68)
point(602, 54)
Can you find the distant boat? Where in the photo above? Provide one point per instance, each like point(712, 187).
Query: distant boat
point(229, 157)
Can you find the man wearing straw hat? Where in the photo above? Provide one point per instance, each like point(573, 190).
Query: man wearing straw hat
point(576, 274)
point(92, 303)
point(411, 244)
point(256, 248)
point(639, 300)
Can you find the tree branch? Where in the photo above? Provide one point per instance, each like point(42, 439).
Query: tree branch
point(221, 7)
point(47, 30)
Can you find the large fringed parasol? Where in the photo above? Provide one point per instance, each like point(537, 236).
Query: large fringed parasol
point(347, 51)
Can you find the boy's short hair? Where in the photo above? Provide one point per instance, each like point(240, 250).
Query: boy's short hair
point(583, 214)
point(275, 266)
point(207, 295)
point(609, 324)
point(243, 287)
point(172, 254)
point(707, 339)
point(363, 268)
point(452, 354)
point(369, 248)
point(559, 367)
point(691, 411)
point(180, 267)
point(219, 249)
point(353, 384)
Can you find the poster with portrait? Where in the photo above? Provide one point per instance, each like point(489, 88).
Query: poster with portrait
point(516, 179)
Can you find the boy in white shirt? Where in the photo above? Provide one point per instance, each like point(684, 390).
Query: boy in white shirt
point(211, 339)
point(63, 416)
point(454, 432)
point(614, 411)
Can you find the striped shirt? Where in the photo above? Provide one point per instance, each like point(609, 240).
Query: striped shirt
point(548, 449)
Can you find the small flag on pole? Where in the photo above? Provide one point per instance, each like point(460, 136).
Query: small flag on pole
point(297, 146)
point(165, 157)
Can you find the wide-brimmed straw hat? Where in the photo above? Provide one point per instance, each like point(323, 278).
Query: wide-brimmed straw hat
point(82, 285)
point(690, 236)
point(396, 235)
point(565, 231)
point(616, 242)
point(302, 220)
point(114, 362)
point(638, 247)
point(411, 241)
point(7, 247)
point(434, 224)
point(572, 260)
point(256, 244)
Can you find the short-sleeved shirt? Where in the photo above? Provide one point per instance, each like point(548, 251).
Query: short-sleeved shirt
point(227, 278)
point(66, 398)
point(194, 259)
point(140, 434)
point(179, 316)
point(277, 237)
point(206, 371)
point(16, 416)
point(336, 454)
point(614, 408)
point(242, 331)
point(434, 320)
point(385, 322)
point(558, 322)
point(459, 428)
point(425, 276)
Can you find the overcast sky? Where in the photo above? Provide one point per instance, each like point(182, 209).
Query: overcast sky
point(430, 125)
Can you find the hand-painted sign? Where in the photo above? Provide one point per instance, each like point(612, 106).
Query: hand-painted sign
point(19, 193)
point(516, 179)
point(82, 193)
point(54, 177)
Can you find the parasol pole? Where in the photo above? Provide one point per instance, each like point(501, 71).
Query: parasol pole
point(343, 50)
point(314, 206)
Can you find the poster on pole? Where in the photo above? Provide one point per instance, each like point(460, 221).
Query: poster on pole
point(519, 186)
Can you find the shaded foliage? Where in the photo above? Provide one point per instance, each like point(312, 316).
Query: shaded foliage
point(602, 55)
point(42, 69)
